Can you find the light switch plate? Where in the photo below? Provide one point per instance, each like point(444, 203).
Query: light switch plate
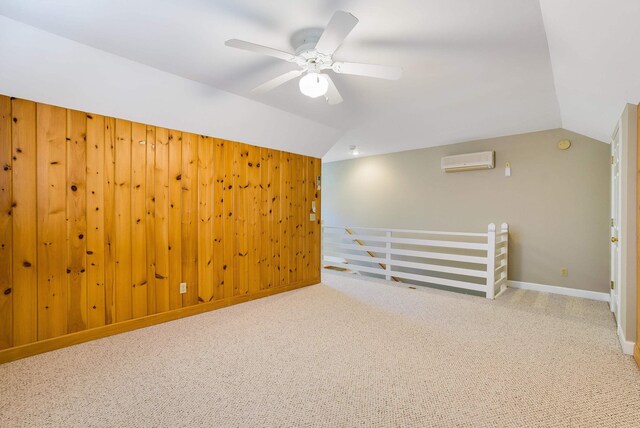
point(313, 206)
point(183, 287)
point(312, 217)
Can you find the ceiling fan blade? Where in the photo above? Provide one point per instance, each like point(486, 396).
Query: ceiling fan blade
point(369, 70)
point(252, 47)
point(332, 96)
point(337, 30)
point(274, 83)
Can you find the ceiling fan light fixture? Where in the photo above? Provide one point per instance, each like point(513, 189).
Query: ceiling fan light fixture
point(314, 85)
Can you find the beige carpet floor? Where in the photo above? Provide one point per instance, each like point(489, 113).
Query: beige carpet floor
point(347, 353)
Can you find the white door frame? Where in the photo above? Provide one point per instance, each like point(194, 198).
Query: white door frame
point(616, 208)
point(624, 297)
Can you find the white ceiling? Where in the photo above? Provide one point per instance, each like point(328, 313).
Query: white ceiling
point(595, 52)
point(473, 68)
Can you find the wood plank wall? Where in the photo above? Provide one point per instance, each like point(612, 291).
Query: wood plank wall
point(101, 219)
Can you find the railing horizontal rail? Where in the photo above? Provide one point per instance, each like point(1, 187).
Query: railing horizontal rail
point(414, 265)
point(423, 232)
point(409, 253)
point(411, 241)
point(415, 277)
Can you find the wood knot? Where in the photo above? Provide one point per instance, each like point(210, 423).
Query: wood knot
point(7, 291)
point(26, 264)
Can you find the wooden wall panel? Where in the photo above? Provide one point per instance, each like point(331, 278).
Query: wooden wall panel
point(162, 219)
point(25, 249)
point(242, 211)
point(276, 225)
point(285, 219)
point(297, 247)
point(109, 219)
point(150, 196)
point(218, 219)
point(138, 220)
point(304, 209)
point(101, 219)
point(228, 214)
point(6, 226)
point(190, 217)
point(307, 213)
point(51, 134)
point(95, 221)
point(205, 219)
point(265, 208)
point(175, 219)
point(316, 231)
point(253, 231)
point(76, 220)
point(122, 222)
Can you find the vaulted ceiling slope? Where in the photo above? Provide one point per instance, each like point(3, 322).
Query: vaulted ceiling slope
point(472, 68)
point(42, 66)
point(595, 48)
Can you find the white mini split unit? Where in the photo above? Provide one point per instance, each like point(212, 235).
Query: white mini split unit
point(468, 162)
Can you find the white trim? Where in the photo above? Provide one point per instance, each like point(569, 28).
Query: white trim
point(585, 294)
point(627, 346)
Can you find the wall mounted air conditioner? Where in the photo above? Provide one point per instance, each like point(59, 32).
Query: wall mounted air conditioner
point(468, 162)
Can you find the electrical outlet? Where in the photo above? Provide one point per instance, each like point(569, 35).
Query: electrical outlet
point(312, 217)
point(183, 287)
point(564, 272)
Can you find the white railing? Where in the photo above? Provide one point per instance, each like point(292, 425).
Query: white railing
point(471, 261)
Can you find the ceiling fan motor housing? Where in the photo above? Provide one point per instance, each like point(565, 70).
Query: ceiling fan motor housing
point(304, 42)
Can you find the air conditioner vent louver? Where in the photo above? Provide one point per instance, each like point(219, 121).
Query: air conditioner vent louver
point(468, 162)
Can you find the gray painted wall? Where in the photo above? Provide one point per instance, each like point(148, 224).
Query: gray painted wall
point(556, 202)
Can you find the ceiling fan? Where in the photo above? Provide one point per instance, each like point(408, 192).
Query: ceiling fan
point(314, 54)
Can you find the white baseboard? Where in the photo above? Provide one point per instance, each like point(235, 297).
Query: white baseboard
point(574, 292)
point(627, 346)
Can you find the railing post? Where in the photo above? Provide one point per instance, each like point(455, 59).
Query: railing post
point(388, 256)
point(491, 260)
point(505, 228)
